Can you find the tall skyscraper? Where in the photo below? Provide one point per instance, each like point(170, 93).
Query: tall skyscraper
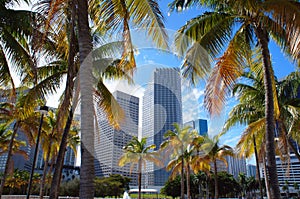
point(162, 107)
point(199, 124)
point(109, 142)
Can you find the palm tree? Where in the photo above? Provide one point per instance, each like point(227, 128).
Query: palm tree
point(5, 138)
point(19, 116)
point(183, 144)
point(139, 10)
point(289, 106)
point(5, 135)
point(137, 153)
point(252, 114)
point(215, 152)
point(51, 141)
point(243, 183)
point(252, 22)
point(146, 15)
point(17, 27)
point(176, 144)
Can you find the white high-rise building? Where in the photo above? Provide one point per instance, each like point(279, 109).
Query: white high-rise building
point(162, 107)
point(109, 142)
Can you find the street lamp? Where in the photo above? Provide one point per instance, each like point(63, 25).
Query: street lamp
point(43, 110)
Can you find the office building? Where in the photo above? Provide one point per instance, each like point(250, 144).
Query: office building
point(162, 107)
point(287, 171)
point(109, 142)
point(251, 170)
point(200, 125)
point(235, 166)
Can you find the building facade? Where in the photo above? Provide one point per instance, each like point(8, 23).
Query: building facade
point(162, 107)
point(109, 142)
point(200, 125)
point(288, 173)
point(251, 170)
point(235, 166)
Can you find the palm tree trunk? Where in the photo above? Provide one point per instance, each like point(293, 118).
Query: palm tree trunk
point(42, 187)
point(87, 172)
point(50, 173)
point(71, 74)
point(207, 189)
point(257, 168)
point(267, 181)
point(182, 180)
point(140, 178)
point(9, 156)
point(269, 112)
point(55, 184)
point(188, 183)
point(216, 180)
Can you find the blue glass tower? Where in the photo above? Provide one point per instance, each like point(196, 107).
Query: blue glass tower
point(162, 107)
point(200, 125)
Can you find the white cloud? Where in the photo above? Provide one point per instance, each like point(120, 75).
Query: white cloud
point(122, 85)
point(215, 125)
point(231, 141)
point(192, 102)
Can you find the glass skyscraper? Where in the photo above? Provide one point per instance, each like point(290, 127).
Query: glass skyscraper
point(162, 107)
point(109, 142)
point(200, 125)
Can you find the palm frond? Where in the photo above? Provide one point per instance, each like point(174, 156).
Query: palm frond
point(5, 73)
point(210, 30)
point(108, 103)
point(147, 15)
point(245, 145)
point(287, 15)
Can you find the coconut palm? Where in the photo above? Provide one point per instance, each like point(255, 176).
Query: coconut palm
point(5, 135)
point(216, 152)
point(252, 114)
point(20, 117)
point(140, 13)
point(175, 141)
point(180, 143)
point(137, 153)
point(145, 14)
point(50, 144)
point(240, 25)
point(5, 138)
point(17, 27)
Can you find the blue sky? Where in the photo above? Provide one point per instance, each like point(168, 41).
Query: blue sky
point(281, 65)
point(149, 57)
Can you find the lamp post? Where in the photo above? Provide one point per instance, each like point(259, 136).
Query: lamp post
point(43, 110)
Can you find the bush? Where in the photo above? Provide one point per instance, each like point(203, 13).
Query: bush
point(70, 188)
